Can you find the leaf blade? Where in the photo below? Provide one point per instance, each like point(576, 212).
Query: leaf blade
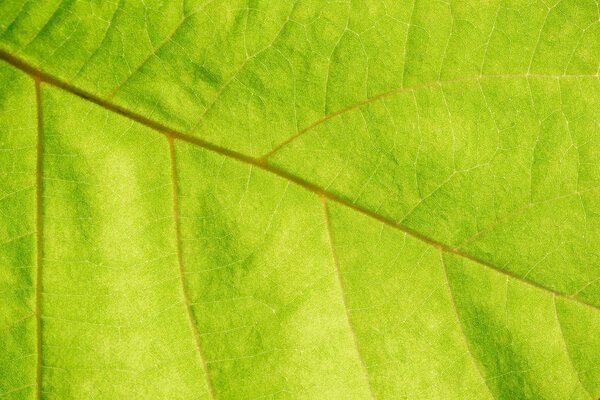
point(525, 87)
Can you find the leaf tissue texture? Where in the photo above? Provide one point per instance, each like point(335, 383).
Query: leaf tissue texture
point(300, 199)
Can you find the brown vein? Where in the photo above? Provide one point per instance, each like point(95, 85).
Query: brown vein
point(216, 97)
point(344, 298)
point(408, 89)
point(259, 163)
point(520, 211)
point(145, 60)
point(184, 289)
point(462, 331)
point(562, 335)
point(39, 238)
point(17, 322)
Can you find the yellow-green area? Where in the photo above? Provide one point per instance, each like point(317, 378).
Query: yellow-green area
point(261, 199)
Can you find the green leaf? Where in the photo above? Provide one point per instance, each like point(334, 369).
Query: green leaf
point(303, 199)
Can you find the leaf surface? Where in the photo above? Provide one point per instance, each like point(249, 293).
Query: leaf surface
point(265, 199)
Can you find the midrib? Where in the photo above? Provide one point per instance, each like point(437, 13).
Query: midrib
point(172, 134)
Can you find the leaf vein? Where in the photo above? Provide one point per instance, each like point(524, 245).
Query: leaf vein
point(462, 331)
point(562, 335)
point(39, 237)
point(184, 288)
point(344, 298)
point(412, 89)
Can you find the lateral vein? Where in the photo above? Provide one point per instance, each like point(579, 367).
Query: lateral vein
point(344, 298)
point(404, 90)
point(39, 236)
point(460, 325)
point(184, 288)
point(566, 350)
